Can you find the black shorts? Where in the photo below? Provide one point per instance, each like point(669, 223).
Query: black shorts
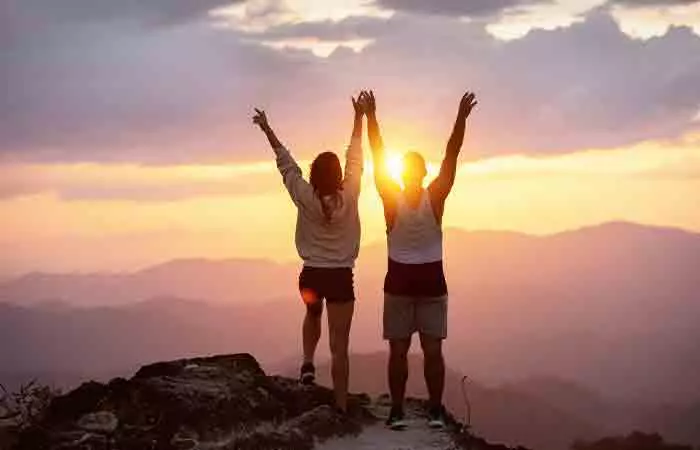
point(335, 285)
point(415, 280)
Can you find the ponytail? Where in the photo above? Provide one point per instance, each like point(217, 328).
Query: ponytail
point(326, 178)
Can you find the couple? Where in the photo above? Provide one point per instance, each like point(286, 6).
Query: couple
point(328, 241)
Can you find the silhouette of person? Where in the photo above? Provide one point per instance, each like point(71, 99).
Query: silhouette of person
point(415, 290)
point(328, 241)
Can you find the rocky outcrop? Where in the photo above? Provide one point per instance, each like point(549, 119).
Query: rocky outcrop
point(220, 402)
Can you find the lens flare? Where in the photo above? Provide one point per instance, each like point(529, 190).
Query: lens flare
point(309, 296)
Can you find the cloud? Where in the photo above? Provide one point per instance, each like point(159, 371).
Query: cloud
point(320, 48)
point(350, 28)
point(325, 37)
point(518, 22)
point(122, 92)
point(259, 15)
point(590, 85)
point(645, 3)
point(585, 86)
point(456, 8)
point(645, 20)
point(154, 12)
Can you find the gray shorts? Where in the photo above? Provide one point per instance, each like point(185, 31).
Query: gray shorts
point(403, 316)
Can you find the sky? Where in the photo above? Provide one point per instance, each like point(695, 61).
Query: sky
point(126, 135)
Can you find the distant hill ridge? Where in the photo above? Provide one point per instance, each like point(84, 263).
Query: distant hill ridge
point(239, 279)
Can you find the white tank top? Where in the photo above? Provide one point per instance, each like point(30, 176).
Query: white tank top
point(416, 237)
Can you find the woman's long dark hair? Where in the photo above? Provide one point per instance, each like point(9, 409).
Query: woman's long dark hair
point(326, 178)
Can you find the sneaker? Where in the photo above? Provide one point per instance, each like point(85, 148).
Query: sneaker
point(396, 419)
point(307, 374)
point(436, 417)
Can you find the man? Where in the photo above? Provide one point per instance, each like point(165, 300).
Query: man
point(415, 291)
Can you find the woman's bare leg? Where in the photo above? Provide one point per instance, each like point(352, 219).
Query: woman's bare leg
point(339, 322)
point(311, 331)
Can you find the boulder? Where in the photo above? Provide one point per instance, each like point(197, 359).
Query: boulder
point(224, 401)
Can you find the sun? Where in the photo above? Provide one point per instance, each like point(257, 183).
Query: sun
point(394, 165)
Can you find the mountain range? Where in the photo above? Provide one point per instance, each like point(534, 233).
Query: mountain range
point(594, 322)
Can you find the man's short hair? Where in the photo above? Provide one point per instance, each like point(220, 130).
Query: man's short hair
point(413, 162)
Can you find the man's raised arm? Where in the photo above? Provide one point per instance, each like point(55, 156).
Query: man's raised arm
point(442, 184)
point(387, 187)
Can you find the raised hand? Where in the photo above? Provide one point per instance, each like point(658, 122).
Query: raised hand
point(260, 119)
point(358, 105)
point(369, 102)
point(467, 103)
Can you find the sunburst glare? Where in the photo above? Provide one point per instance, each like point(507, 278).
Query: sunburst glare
point(394, 165)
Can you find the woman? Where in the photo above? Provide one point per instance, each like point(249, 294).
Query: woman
point(328, 241)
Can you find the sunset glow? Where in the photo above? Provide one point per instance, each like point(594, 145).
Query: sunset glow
point(128, 140)
point(112, 216)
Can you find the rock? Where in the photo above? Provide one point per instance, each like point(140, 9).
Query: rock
point(78, 402)
point(242, 363)
point(99, 422)
point(224, 401)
